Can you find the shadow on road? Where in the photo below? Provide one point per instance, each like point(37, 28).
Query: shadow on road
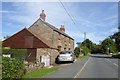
point(65, 62)
point(101, 56)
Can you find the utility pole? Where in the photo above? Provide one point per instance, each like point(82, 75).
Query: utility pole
point(84, 35)
point(85, 38)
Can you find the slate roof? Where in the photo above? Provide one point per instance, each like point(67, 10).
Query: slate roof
point(52, 27)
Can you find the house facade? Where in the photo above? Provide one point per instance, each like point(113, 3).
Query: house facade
point(41, 38)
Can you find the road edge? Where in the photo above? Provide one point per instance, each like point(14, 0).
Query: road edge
point(82, 68)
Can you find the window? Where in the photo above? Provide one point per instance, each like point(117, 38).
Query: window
point(64, 49)
point(69, 48)
point(59, 48)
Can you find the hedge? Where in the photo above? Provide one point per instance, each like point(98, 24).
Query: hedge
point(15, 53)
point(12, 68)
point(116, 56)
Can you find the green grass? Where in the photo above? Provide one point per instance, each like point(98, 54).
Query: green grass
point(39, 73)
point(80, 57)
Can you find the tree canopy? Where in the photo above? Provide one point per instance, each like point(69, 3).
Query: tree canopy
point(108, 46)
point(116, 36)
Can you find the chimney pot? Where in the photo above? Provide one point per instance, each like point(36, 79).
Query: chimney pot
point(62, 29)
point(42, 15)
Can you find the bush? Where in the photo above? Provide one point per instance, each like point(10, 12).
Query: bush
point(12, 68)
point(15, 53)
point(116, 56)
point(77, 51)
point(85, 50)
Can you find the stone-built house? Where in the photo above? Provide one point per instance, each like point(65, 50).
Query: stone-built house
point(41, 38)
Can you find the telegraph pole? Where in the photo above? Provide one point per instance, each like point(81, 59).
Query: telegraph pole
point(85, 38)
point(84, 35)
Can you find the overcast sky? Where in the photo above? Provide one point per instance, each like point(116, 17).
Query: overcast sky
point(98, 19)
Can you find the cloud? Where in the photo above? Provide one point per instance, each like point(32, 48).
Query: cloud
point(93, 23)
point(31, 11)
point(61, 0)
point(6, 11)
point(111, 18)
point(21, 19)
point(114, 30)
point(94, 37)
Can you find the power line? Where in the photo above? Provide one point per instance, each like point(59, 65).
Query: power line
point(67, 12)
point(71, 17)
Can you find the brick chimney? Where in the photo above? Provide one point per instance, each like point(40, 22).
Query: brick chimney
point(42, 15)
point(62, 28)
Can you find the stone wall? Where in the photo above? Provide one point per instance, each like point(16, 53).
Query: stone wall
point(43, 30)
point(52, 37)
point(52, 52)
point(63, 41)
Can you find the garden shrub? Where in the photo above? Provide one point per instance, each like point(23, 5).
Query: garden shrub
point(77, 51)
point(116, 56)
point(85, 50)
point(12, 68)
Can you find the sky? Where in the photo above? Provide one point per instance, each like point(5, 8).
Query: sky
point(98, 19)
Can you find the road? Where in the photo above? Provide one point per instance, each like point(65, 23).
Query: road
point(96, 66)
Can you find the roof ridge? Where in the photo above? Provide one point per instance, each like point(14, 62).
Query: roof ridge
point(52, 27)
point(56, 29)
point(34, 23)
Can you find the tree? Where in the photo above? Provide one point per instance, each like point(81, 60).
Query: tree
point(116, 36)
point(108, 46)
point(83, 48)
point(85, 51)
point(88, 44)
point(96, 49)
point(77, 51)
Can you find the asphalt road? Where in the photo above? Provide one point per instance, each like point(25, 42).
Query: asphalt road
point(96, 66)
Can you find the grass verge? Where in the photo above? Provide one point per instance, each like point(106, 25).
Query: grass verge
point(39, 73)
point(80, 57)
